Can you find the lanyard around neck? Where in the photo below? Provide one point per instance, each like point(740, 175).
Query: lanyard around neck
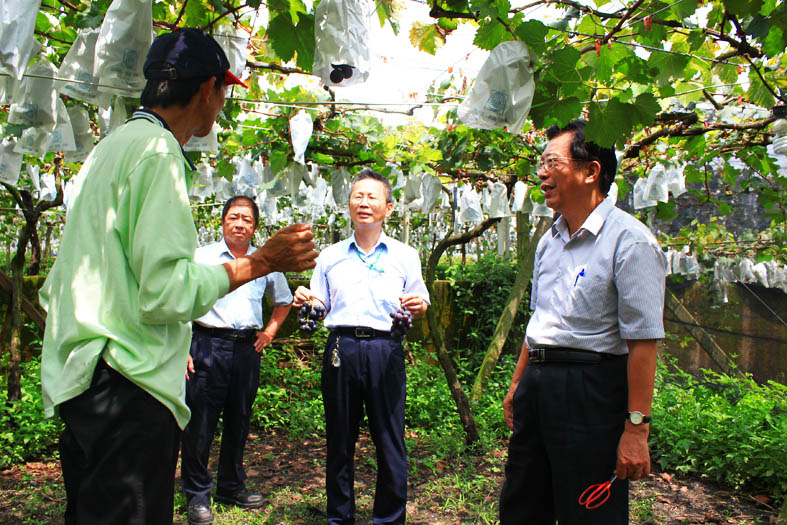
point(365, 260)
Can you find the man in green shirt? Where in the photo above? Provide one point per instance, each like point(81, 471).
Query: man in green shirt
point(125, 286)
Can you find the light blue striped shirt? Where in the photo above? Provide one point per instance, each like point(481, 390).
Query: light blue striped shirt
point(599, 287)
point(364, 293)
point(241, 308)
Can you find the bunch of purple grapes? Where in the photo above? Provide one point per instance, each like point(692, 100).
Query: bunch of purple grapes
point(309, 315)
point(340, 72)
point(402, 322)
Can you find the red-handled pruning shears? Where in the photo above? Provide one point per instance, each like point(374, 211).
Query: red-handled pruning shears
point(596, 495)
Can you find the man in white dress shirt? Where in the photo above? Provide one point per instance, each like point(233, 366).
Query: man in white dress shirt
point(361, 281)
point(224, 368)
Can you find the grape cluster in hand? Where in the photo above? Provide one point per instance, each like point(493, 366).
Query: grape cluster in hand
point(309, 315)
point(402, 322)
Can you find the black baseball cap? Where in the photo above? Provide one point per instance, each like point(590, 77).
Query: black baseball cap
point(187, 53)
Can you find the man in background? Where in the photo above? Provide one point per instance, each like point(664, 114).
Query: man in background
point(361, 281)
point(125, 286)
point(224, 368)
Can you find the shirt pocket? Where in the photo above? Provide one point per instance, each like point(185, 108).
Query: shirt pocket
point(590, 303)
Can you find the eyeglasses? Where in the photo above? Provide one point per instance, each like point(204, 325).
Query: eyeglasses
point(550, 163)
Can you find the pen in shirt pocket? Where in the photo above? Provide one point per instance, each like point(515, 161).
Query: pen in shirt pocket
point(580, 274)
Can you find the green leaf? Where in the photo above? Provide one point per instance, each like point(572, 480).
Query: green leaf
point(564, 63)
point(533, 33)
point(320, 158)
point(278, 159)
point(490, 34)
point(666, 211)
point(743, 8)
point(426, 37)
point(683, 8)
point(608, 123)
point(44, 23)
point(490, 8)
point(225, 169)
point(547, 110)
point(645, 109)
point(288, 40)
point(385, 12)
point(291, 8)
point(695, 146)
point(730, 173)
point(775, 42)
point(758, 93)
point(668, 67)
point(606, 62)
point(724, 208)
point(195, 13)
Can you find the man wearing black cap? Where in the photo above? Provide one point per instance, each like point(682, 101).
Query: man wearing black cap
point(125, 286)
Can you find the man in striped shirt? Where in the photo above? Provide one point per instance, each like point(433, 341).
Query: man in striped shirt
point(580, 397)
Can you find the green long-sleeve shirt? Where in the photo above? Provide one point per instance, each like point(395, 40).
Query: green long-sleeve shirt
point(124, 285)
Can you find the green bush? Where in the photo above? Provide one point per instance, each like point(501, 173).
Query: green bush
point(24, 433)
point(480, 299)
point(289, 397)
point(728, 429)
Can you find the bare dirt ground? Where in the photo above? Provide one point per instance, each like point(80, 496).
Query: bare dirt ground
point(442, 491)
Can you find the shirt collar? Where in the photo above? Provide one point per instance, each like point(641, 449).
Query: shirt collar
point(592, 224)
point(226, 249)
point(154, 117)
point(383, 240)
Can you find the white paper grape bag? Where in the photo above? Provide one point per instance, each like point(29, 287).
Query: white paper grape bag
point(503, 91)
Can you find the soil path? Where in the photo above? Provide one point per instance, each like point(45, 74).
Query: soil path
point(448, 491)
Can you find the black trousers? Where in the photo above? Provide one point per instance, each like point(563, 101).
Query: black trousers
point(118, 452)
point(227, 374)
point(371, 374)
point(568, 419)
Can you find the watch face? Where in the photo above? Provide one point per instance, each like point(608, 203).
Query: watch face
point(635, 417)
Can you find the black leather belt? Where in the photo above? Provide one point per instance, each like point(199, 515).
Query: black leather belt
point(231, 334)
point(565, 355)
point(360, 332)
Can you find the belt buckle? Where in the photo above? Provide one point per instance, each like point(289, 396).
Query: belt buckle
point(539, 355)
point(362, 331)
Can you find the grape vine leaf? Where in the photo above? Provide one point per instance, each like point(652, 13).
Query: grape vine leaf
point(288, 40)
point(490, 34)
point(426, 37)
point(533, 33)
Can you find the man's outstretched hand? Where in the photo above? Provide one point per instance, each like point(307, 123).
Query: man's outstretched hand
point(290, 249)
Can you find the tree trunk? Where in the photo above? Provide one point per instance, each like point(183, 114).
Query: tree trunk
point(34, 266)
point(32, 213)
point(435, 331)
point(15, 311)
point(47, 242)
point(509, 311)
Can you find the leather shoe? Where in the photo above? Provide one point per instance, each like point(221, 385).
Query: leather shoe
point(240, 498)
point(200, 515)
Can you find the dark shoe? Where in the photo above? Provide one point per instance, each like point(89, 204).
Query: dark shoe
point(200, 515)
point(241, 499)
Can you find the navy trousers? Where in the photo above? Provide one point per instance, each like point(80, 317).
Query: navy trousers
point(227, 374)
point(371, 374)
point(118, 452)
point(568, 419)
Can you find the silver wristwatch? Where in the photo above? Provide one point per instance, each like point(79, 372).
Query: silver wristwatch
point(638, 418)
